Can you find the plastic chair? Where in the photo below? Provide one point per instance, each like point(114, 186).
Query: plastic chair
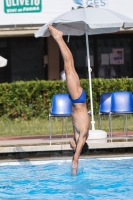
point(121, 104)
point(61, 107)
point(105, 106)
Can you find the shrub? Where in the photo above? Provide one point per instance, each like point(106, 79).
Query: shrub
point(33, 98)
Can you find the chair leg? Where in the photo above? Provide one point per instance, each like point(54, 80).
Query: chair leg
point(66, 126)
point(110, 125)
point(126, 127)
point(124, 116)
point(50, 127)
point(99, 121)
point(62, 127)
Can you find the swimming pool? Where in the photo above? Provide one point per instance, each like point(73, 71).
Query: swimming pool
point(97, 179)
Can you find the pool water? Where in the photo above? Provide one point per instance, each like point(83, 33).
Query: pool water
point(97, 179)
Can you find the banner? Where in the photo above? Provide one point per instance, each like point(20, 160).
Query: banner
point(22, 6)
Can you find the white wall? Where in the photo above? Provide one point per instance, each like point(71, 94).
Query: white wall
point(53, 8)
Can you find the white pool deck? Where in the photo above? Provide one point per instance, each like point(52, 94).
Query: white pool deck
point(43, 143)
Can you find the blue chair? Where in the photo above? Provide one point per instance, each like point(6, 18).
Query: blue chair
point(61, 107)
point(105, 106)
point(121, 104)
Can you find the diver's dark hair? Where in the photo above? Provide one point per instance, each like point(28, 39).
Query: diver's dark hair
point(85, 148)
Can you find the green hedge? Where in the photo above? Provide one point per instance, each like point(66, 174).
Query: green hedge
point(33, 98)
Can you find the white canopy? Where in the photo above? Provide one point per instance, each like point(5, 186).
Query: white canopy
point(92, 20)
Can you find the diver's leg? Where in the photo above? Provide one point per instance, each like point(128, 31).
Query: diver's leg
point(72, 79)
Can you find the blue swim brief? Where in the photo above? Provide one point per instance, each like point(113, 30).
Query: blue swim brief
point(81, 99)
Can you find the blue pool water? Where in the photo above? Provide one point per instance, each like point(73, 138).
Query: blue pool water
point(97, 179)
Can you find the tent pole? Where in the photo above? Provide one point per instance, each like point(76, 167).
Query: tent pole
point(90, 83)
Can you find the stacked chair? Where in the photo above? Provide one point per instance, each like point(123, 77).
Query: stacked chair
point(116, 103)
point(105, 106)
point(121, 104)
point(61, 107)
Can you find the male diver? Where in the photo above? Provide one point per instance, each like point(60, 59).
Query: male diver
point(80, 118)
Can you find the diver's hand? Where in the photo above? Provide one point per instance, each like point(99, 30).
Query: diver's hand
point(74, 168)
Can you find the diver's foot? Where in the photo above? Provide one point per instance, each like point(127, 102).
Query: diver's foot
point(74, 168)
point(73, 144)
point(55, 33)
